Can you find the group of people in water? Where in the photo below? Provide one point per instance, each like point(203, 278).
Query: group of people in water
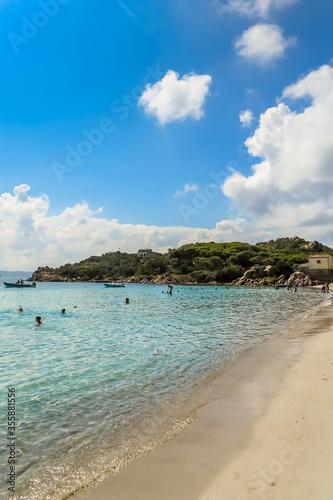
point(290, 286)
point(295, 284)
point(38, 318)
point(63, 311)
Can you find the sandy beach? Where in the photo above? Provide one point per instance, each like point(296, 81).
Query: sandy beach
point(268, 433)
point(290, 453)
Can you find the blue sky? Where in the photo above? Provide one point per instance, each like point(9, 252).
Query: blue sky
point(120, 125)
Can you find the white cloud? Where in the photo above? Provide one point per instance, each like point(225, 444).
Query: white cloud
point(263, 43)
point(246, 117)
point(291, 190)
point(29, 237)
point(187, 189)
point(259, 8)
point(173, 99)
point(317, 85)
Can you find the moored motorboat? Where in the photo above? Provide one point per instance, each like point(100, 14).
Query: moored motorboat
point(114, 285)
point(19, 285)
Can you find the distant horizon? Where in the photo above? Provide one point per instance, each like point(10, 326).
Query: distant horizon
point(14, 272)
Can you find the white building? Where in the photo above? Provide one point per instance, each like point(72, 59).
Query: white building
point(319, 266)
point(147, 253)
point(322, 263)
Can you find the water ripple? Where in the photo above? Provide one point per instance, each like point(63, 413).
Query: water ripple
point(109, 379)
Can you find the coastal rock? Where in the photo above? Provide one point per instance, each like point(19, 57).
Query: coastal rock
point(247, 275)
point(281, 280)
point(269, 271)
point(254, 273)
point(313, 247)
point(164, 279)
point(259, 271)
point(265, 282)
point(299, 276)
point(47, 274)
point(256, 276)
point(132, 279)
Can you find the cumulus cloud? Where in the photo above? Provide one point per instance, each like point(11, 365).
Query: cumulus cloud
point(291, 189)
point(289, 192)
point(246, 117)
point(317, 85)
point(263, 43)
point(187, 189)
point(175, 98)
point(29, 237)
point(259, 8)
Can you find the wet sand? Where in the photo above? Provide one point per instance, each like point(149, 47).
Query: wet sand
point(268, 434)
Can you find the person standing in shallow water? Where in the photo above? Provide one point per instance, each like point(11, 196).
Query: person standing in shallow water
point(38, 320)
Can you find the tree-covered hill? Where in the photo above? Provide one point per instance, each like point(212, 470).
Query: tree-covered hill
point(228, 261)
point(200, 262)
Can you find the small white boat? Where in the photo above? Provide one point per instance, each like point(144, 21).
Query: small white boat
point(114, 285)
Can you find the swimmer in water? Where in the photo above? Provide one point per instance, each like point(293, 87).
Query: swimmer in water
point(63, 311)
point(38, 320)
point(127, 300)
point(20, 309)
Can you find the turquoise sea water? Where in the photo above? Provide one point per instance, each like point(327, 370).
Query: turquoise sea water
point(107, 382)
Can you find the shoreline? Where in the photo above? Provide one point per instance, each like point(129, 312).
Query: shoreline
point(145, 281)
point(290, 451)
point(206, 461)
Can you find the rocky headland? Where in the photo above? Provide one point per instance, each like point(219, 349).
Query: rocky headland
point(47, 274)
point(234, 263)
point(256, 276)
point(262, 276)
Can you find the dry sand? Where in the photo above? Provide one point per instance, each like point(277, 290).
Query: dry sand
point(290, 453)
point(271, 438)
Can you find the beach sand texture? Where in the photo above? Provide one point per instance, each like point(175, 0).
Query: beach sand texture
point(290, 453)
point(271, 438)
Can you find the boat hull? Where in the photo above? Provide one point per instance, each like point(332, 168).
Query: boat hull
point(114, 285)
point(16, 285)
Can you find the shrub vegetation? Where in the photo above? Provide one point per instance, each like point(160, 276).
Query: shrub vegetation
point(203, 262)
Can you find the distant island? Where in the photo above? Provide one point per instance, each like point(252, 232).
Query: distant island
point(264, 263)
